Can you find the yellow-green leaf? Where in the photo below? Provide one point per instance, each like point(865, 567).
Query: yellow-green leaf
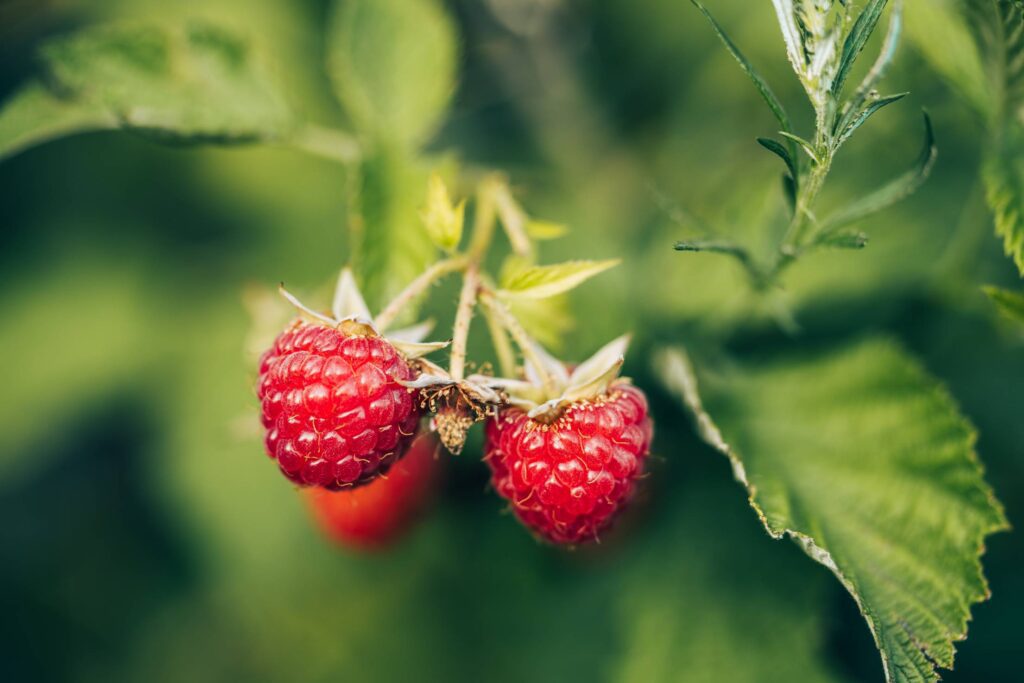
point(540, 282)
point(443, 220)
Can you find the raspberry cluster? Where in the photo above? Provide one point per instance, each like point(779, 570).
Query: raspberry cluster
point(335, 413)
point(567, 480)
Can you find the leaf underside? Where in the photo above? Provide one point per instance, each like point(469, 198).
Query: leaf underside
point(862, 459)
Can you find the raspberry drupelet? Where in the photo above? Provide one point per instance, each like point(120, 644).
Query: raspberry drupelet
point(335, 413)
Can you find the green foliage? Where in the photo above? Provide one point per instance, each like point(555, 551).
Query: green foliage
point(1010, 303)
point(541, 282)
point(443, 220)
point(862, 459)
point(392, 63)
point(389, 245)
point(1004, 190)
point(35, 114)
point(193, 82)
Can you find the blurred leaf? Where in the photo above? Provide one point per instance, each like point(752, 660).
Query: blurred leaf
point(998, 27)
point(843, 239)
point(856, 40)
point(861, 458)
point(34, 115)
point(442, 219)
point(939, 32)
point(390, 247)
point(762, 86)
point(545, 230)
point(1010, 303)
point(896, 190)
point(194, 82)
point(540, 282)
point(1004, 191)
point(393, 63)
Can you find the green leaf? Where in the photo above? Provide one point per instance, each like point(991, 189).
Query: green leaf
point(389, 246)
point(856, 40)
point(541, 282)
point(775, 148)
point(804, 144)
point(1010, 303)
point(1004, 191)
point(862, 458)
point(393, 63)
point(899, 188)
point(850, 123)
point(882, 62)
point(762, 86)
point(443, 220)
point(843, 239)
point(194, 82)
point(34, 115)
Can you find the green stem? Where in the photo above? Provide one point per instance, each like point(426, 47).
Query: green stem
point(507, 320)
point(328, 143)
point(463, 317)
point(415, 288)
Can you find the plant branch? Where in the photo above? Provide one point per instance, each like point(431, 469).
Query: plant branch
point(484, 218)
point(327, 143)
point(417, 287)
point(463, 317)
point(526, 345)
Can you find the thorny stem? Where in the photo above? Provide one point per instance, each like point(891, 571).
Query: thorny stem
point(417, 287)
point(522, 339)
point(463, 316)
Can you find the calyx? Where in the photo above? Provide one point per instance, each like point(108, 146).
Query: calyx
point(350, 314)
point(549, 389)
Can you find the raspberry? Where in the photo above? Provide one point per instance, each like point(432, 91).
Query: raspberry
point(567, 479)
point(335, 413)
point(372, 517)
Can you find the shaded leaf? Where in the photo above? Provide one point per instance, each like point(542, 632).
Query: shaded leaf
point(540, 282)
point(390, 247)
point(195, 82)
point(855, 120)
point(392, 63)
point(35, 115)
point(1010, 303)
point(780, 151)
point(862, 458)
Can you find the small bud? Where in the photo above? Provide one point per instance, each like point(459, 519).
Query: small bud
point(443, 220)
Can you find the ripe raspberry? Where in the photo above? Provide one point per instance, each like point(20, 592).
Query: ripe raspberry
point(371, 517)
point(567, 480)
point(335, 413)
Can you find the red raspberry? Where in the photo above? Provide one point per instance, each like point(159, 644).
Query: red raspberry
point(567, 480)
point(371, 517)
point(334, 411)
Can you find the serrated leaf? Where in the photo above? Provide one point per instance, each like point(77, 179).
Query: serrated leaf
point(541, 282)
point(1004, 191)
point(545, 230)
point(392, 63)
point(1010, 303)
point(442, 219)
point(856, 40)
point(196, 82)
point(862, 458)
point(762, 86)
point(34, 115)
point(900, 188)
point(390, 248)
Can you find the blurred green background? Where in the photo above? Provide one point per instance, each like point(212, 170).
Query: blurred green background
point(145, 535)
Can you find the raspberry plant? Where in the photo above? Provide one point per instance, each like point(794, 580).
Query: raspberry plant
point(841, 440)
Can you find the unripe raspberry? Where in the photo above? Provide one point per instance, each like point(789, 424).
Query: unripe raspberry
point(568, 479)
point(372, 517)
point(335, 413)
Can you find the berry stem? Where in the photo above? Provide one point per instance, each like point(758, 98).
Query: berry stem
point(484, 217)
point(463, 317)
point(417, 287)
point(507, 320)
point(502, 345)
